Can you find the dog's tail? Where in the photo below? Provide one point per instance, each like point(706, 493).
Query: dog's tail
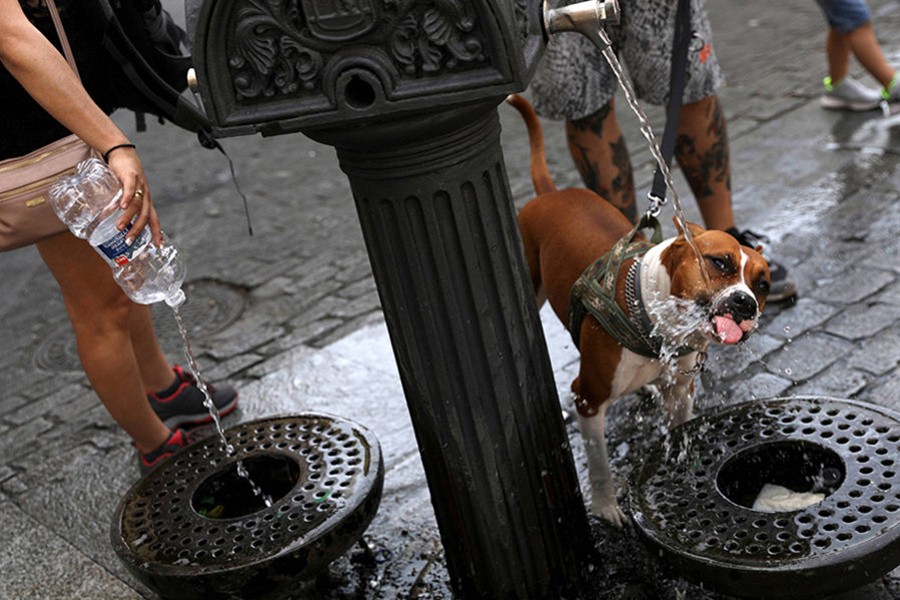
point(540, 174)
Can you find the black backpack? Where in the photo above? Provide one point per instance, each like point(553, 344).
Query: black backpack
point(151, 52)
point(150, 63)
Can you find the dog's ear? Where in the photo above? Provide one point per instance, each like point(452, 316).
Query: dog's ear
point(693, 228)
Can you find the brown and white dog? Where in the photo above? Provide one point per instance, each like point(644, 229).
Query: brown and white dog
point(564, 232)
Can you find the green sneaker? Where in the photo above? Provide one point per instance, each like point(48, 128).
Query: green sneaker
point(849, 94)
point(891, 98)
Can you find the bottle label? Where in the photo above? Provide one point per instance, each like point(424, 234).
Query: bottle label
point(117, 251)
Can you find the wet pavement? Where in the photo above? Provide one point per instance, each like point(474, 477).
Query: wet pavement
point(291, 316)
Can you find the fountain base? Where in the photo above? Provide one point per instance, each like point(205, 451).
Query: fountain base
point(193, 528)
point(692, 498)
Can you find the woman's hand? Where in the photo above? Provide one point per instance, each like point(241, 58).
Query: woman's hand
point(136, 199)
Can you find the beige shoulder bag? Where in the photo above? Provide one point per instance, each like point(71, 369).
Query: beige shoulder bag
point(25, 213)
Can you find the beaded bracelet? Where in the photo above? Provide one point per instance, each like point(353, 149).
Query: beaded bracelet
point(116, 147)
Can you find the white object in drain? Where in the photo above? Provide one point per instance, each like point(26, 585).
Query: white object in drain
point(775, 498)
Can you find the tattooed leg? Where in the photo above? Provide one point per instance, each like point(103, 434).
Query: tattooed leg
point(601, 156)
point(702, 152)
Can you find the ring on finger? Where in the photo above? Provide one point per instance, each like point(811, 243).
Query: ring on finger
point(139, 192)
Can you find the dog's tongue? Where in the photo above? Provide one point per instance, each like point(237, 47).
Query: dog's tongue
point(728, 331)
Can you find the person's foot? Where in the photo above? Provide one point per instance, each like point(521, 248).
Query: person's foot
point(891, 98)
point(177, 440)
point(849, 94)
point(781, 287)
point(181, 404)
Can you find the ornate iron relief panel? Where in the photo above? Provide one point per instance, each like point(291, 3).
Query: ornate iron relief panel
point(283, 47)
point(289, 63)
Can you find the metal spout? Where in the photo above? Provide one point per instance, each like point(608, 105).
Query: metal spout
point(585, 17)
point(192, 82)
point(194, 86)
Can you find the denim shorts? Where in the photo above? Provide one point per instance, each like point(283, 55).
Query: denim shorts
point(845, 15)
point(573, 79)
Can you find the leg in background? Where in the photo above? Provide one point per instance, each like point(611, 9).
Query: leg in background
point(837, 52)
point(601, 156)
point(701, 149)
point(867, 50)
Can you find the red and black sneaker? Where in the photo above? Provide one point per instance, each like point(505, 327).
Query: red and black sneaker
point(177, 440)
point(181, 404)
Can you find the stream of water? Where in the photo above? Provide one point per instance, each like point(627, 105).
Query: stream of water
point(227, 446)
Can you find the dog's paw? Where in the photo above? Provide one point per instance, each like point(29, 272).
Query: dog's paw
point(608, 509)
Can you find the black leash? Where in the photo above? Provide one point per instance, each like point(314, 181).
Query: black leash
point(680, 46)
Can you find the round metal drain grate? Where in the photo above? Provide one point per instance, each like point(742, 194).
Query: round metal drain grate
point(193, 528)
point(693, 496)
point(211, 308)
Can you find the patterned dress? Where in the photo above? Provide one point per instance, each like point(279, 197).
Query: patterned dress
point(573, 79)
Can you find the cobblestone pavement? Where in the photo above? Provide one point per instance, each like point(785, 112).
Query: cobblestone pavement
point(291, 316)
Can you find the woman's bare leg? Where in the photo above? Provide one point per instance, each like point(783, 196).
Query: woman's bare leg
point(101, 318)
point(156, 372)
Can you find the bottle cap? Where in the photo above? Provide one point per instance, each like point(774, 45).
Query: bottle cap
point(176, 299)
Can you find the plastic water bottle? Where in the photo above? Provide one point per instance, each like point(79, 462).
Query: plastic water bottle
point(88, 202)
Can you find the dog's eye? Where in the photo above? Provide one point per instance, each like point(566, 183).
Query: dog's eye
point(722, 264)
point(762, 287)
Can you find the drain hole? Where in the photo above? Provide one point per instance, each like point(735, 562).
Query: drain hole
point(227, 495)
point(799, 466)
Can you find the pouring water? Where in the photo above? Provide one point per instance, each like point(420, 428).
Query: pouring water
point(213, 411)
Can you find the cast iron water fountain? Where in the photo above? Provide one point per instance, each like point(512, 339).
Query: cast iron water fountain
point(407, 93)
